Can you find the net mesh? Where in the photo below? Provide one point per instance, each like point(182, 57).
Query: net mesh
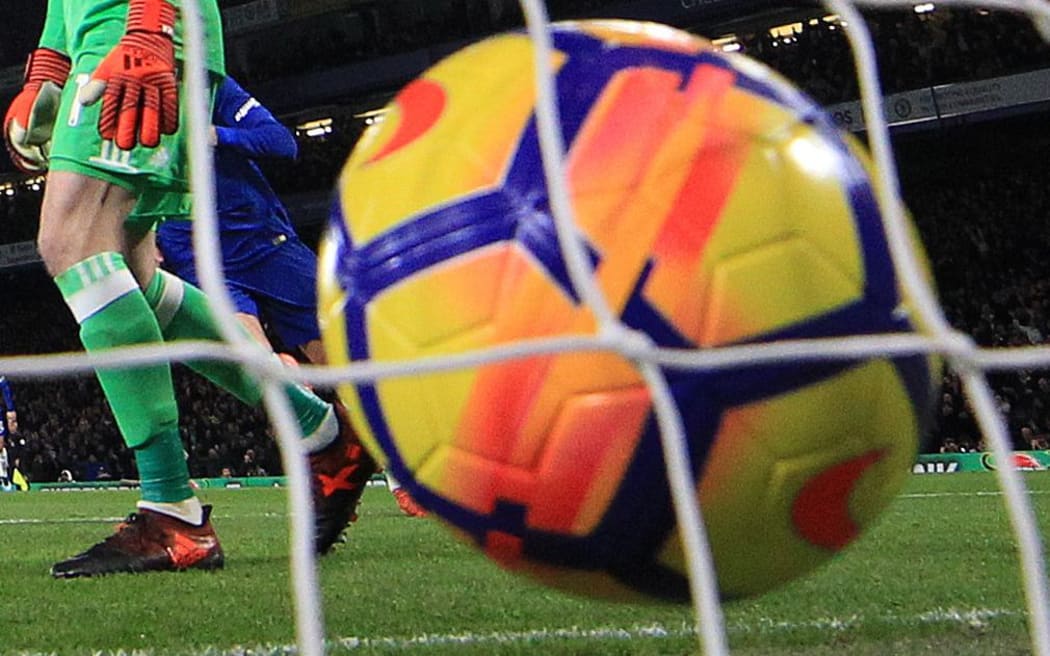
point(971, 363)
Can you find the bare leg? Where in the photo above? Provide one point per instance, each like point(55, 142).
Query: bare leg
point(80, 217)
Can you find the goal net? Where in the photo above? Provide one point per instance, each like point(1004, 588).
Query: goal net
point(970, 362)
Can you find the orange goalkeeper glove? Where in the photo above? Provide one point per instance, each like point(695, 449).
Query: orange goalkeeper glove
point(31, 116)
point(136, 80)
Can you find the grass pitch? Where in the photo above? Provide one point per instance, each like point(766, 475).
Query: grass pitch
point(938, 575)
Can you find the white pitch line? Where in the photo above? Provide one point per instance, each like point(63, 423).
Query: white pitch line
point(284, 515)
point(970, 618)
point(24, 521)
point(988, 493)
point(30, 521)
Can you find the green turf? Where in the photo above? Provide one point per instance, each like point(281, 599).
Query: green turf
point(938, 575)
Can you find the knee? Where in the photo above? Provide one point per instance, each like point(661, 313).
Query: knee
point(80, 217)
point(60, 218)
point(54, 246)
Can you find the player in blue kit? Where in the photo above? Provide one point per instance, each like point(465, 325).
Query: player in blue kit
point(8, 425)
point(269, 271)
point(9, 420)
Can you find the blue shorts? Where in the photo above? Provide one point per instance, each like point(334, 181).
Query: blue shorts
point(279, 288)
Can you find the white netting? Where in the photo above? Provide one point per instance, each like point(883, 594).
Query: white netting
point(970, 362)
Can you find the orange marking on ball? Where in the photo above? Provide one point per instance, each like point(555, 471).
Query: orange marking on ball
point(821, 509)
point(421, 104)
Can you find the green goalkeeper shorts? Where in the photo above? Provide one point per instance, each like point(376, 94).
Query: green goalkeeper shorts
point(158, 176)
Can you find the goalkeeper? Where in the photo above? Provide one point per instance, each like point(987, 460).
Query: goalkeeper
point(100, 110)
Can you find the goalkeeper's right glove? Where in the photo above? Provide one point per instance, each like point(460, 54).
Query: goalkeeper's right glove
point(31, 117)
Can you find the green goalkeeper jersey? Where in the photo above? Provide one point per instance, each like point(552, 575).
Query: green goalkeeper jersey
point(76, 26)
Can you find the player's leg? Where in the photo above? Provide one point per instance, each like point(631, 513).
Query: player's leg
point(81, 241)
point(405, 502)
point(314, 351)
point(5, 463)
point(255, 329)
point(184, 312)
point(283, 289)
point(246, 310)
point(340, 467)
point(92, 186)
point(286, 292)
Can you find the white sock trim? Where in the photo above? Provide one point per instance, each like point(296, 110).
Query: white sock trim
point(99, 290)
point(323, 435)
point(190, 511)
point(171, 297)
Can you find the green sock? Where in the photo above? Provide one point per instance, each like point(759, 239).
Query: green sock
point(183, 312)
point(111, 310)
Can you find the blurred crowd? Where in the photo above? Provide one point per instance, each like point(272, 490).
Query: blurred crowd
point(985, 221)
point(66, 425)
point(913, 50)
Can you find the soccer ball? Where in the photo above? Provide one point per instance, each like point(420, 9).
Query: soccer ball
point(719, 206)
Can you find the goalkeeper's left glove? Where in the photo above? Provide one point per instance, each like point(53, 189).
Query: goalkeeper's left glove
point(31, 117)
point(136, 80)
